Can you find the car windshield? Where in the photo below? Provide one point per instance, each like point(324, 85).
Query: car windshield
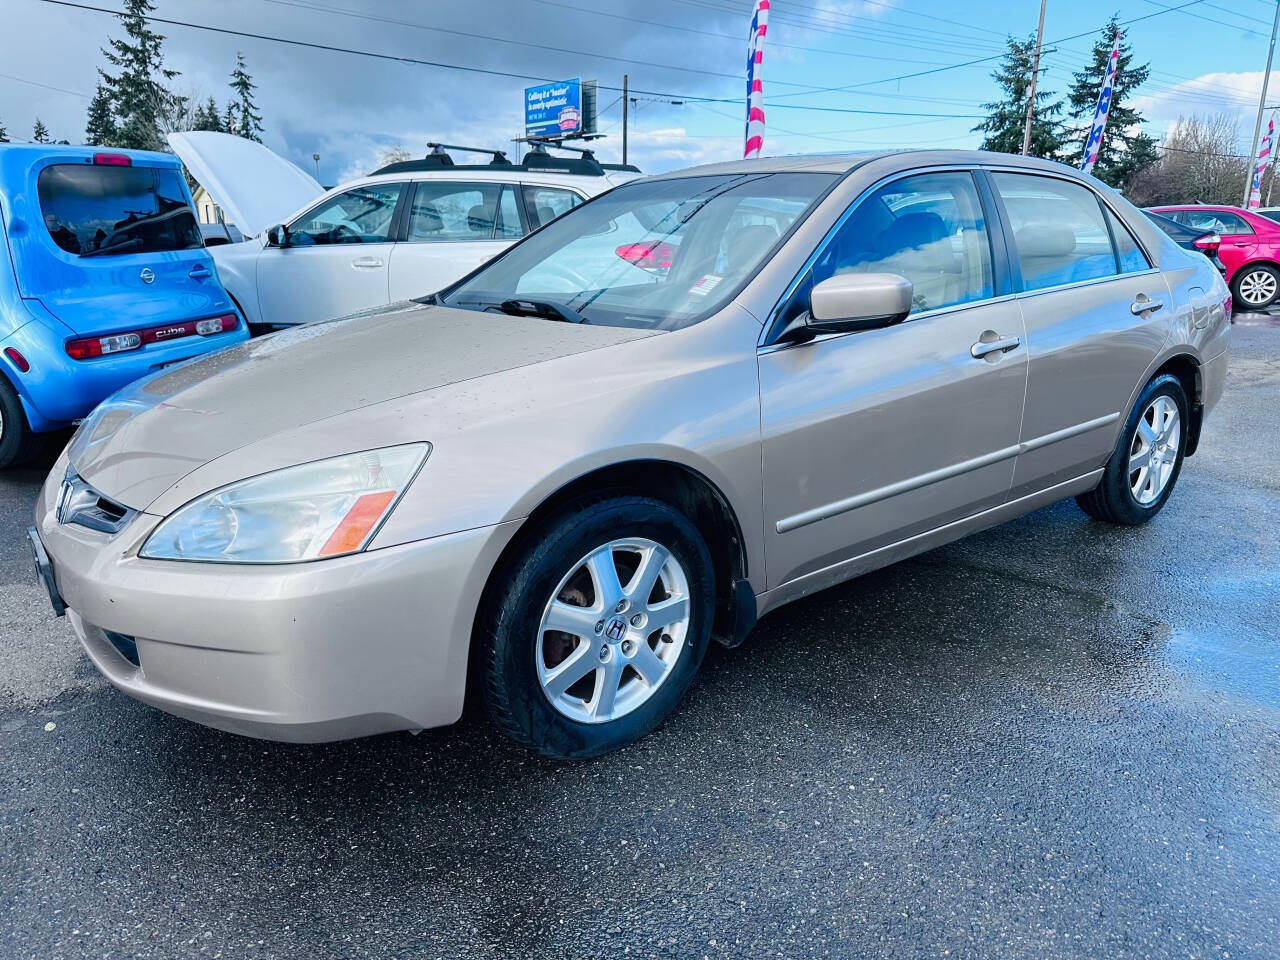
point(657, 254)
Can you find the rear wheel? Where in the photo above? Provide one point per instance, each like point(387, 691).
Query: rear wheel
point(1256, 286)
point(1147, 460)
point(17, 442)
point(598, 627)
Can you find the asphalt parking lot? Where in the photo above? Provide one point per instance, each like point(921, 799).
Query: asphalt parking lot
point(1054, 739)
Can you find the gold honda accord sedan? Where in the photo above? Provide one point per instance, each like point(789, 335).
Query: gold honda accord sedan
point(676, 407)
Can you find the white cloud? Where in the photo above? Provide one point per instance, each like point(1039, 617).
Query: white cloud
point(1208, 94)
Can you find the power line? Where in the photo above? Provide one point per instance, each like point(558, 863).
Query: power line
point(508, 74)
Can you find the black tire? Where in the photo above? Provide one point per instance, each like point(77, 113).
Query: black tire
point(1250, 270)
point(17, 443)
point(1112, 500)
point(508, 639)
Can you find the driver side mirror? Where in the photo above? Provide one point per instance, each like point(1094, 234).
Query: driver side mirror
point(848, 302)
point(278, 236)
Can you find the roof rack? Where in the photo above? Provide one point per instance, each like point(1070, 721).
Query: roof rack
point(585, 165)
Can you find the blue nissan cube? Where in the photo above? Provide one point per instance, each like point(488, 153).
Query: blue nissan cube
point(104, 278)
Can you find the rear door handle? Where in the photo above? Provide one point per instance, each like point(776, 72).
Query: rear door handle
point(999, 345)
point(1143, 305)
point(367, 263)
point(199, 273)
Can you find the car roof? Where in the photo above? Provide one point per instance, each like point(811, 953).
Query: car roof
point(488, 174)
point(31, 151)
point(844, 162)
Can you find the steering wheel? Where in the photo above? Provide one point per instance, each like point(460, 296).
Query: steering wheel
point(341, 233)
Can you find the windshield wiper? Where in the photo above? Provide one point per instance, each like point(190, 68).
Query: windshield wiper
point(547, 309)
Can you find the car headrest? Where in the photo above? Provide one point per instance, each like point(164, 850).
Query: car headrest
point(748, 244)
point(545, 214)
point(920, 236)
point(479, 218)
point(1045, 240)
point(427, 219)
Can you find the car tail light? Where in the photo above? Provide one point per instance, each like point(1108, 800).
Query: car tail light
point(86, 348)
point(647, 256)
point(18, 359)
point(112, 160)
point(1209, 243)
point(207, 328)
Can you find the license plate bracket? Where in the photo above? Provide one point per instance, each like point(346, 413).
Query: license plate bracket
point(44, 571)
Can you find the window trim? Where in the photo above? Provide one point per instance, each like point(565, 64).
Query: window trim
point(404, 186)
point(1015, 266)
point(1000, 263)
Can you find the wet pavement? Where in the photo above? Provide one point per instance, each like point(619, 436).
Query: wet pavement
point(1054, 739)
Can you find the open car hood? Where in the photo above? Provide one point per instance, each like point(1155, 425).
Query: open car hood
point(255, 187)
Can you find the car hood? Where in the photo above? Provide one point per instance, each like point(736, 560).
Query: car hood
point(151, 434)
point(255, 187)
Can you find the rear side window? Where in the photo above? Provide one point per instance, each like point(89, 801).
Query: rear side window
point(1058, 230)
point(1217, 221)
point(454, 211)
point(544, 204)
point(1128, 254)
point(100, 210)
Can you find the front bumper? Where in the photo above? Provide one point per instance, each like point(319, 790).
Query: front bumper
point(308, 652)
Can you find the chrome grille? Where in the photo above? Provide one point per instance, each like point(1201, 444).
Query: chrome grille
point(80, 504)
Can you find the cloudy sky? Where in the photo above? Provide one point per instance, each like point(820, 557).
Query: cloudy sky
point(351, 108)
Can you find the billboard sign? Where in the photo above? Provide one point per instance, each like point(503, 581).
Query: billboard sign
point(553, 109)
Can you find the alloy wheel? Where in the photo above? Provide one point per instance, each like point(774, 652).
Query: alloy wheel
point(613, 629)
point(1153, 452)
point(1257, 287)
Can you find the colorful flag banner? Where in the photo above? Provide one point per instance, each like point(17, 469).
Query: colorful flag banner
point(755, 91)
point(1264, 157)
point(1094, 143)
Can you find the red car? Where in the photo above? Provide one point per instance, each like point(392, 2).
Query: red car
point(1250, 249)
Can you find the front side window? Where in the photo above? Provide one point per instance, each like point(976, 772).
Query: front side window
point(459, 211)
point(360, 215)
point(100, 210)
point(656, 254)
point(1059, 234)
point(544, 204)
point(928, 228)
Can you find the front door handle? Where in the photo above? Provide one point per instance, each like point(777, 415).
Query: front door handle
point(998, 345)
point(367, 263)
point(1144, 304)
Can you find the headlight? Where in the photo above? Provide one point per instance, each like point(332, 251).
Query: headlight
point(323, 509)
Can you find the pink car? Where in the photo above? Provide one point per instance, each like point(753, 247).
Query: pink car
point(1250, 249)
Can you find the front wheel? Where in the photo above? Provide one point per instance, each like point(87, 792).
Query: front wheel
point(598, 627)
point(1256, 286)
point(1148, 457)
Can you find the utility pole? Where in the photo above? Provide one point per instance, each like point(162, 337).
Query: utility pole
point(1035, 72)
point(1262, 103)
point(316, 158)
point(624, 118)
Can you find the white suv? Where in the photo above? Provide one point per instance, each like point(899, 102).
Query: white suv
point(409, 229)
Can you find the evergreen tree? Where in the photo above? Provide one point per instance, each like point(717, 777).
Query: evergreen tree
point(1125, 148)
point(40, 133)
point(100, 126)
point(4, 134)
point(229, 121)
point(1006, 119)
point(250, 125)
point(206, 117)
point(137, 88)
